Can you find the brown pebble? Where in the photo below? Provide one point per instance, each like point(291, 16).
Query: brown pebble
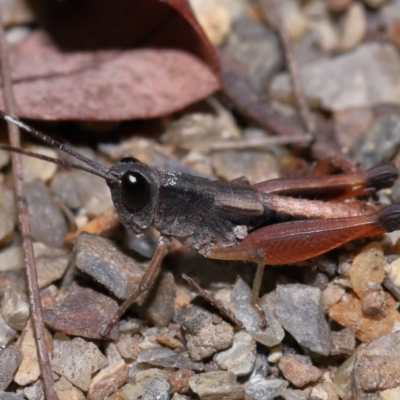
point(128, 346)
point(348, 312)
point(47, 301)
point(216, 319)
point(67, 391)
point(116, 396)
point(102, 225)
point(331, 295)
point(83, 313)
point(216, 385)
point(183, 296)
point(169, 341)
point(338, 5)
point(368, 269)
point(108, 380)
point(344, 341)
point(393, 33)
point(373, 304)
point(377, 365)
point(29, 371)
point(203, 338)
point(179, 380)
point(354, 27)
point(298, 372)
point(324, 391)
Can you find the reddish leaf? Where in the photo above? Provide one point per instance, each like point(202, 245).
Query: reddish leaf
point(121, 60)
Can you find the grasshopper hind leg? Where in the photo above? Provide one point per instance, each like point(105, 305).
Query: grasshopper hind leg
point(256, 255)
point(295, 241)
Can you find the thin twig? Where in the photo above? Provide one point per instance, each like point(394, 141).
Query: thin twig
point(261, 142)
point(23, 212)
point(294, 72)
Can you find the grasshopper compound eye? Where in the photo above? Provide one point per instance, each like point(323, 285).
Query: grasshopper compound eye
point(135, 190)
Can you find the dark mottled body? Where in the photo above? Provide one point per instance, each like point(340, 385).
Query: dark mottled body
point(204, 213)
point(199, 212)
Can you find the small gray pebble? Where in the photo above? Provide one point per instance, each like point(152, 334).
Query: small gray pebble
point(48, 224)
point(102, 260)
point(300, 311)
point(10, 359)
point(158, 389)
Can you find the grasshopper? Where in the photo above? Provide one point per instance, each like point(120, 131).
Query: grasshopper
point(266, 223)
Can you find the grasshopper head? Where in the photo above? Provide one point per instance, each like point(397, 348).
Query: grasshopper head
point(134, 190)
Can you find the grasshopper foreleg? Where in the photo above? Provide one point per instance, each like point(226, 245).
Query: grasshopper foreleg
point(144, 284)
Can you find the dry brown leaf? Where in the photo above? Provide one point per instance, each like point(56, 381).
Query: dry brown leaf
point(100, 60)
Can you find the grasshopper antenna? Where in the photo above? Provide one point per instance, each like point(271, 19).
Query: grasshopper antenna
point(96, 169)
point(53, 160)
